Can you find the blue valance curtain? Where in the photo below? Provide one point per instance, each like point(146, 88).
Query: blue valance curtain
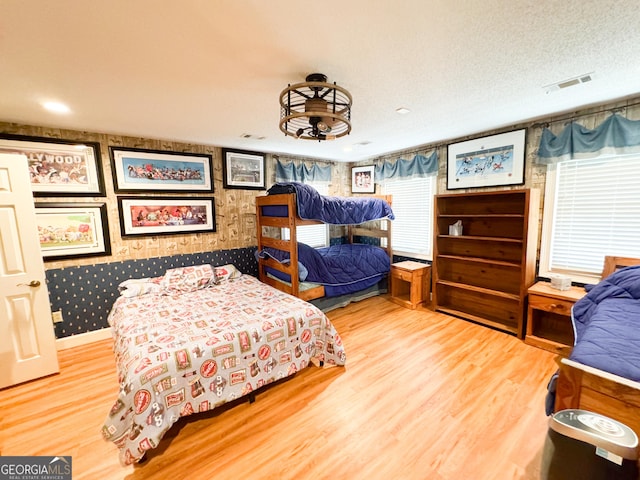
point(419, 166)
point(301, 173)
point(616, 135)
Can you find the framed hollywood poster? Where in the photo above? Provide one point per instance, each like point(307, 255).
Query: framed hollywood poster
point(166, 215)
point(59, 168)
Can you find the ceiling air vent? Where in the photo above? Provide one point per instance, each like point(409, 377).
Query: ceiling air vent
point(569, 82)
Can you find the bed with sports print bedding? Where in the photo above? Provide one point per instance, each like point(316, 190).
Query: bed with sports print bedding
point(199, 337)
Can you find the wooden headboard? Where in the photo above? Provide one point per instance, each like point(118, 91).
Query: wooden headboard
point(611, 264)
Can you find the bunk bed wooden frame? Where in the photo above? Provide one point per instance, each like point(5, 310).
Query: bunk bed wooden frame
point(267, 239)
point(588, 388)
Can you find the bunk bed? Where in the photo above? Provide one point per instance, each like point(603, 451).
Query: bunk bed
point(199, 337)
point(602, 373)
point(337, 270)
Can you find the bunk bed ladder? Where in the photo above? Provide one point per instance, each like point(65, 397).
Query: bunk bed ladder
point(289, 246)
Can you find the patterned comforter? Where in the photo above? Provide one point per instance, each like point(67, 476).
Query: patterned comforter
point(190, 347)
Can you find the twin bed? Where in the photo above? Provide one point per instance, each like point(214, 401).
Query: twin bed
point(602, 374)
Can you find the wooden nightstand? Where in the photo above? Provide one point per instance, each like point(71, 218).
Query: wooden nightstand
point(410, 283)
point(549, 317)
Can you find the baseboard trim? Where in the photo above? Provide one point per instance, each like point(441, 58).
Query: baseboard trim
point(83, 339)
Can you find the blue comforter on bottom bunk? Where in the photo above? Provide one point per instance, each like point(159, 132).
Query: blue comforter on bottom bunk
point(342, 269)
point(606, 324)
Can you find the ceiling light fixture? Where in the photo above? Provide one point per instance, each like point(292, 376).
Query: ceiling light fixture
point(56, 107)
point(315, 109)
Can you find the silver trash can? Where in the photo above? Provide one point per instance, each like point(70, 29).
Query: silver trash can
point(582, 445)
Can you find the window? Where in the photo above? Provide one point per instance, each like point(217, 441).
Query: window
point(411, 231)
point(591, 209)
point(313, 235)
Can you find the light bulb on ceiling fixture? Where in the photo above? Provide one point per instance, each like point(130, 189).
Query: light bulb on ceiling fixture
point(323, 127)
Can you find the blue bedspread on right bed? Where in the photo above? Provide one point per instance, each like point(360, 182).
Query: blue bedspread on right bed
point(606, 325)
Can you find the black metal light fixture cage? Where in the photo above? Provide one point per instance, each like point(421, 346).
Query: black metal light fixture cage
point(315, 109)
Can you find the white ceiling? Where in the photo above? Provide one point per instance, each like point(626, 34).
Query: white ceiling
point(211, 71)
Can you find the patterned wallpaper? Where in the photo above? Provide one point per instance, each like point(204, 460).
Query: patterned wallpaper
point(235, 209)
point(85, 288)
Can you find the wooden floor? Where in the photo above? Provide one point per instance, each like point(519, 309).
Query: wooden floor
point(423, 396)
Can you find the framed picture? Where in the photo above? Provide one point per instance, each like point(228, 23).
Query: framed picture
point(137, 169)
point(362, 180)
point(166, 215)
point(242, 169)
point(487, 162)
point(69, 230)
point(59, 167)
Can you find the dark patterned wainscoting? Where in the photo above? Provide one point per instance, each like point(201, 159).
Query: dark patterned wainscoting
point(85, 294)
point(401, 258)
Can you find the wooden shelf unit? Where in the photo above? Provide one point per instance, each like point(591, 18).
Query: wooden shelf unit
point(483, 275)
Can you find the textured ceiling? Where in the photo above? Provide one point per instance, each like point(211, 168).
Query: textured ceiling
point(210, 71)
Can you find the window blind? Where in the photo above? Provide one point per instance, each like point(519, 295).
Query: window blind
point(411, 231)
point(596, 213)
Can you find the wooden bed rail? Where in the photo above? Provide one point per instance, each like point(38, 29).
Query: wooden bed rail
point(611, 264)
point(384, 234)
point(588, 388)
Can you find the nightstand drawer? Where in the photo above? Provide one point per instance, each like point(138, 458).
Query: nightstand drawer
point(402, 274)
point(553, 305)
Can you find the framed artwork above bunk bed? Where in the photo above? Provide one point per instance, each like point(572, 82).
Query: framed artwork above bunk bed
point(341, 272)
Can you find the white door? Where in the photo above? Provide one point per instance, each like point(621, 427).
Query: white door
point(27, 339)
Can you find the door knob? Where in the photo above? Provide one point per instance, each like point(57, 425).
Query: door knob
point(32, 283)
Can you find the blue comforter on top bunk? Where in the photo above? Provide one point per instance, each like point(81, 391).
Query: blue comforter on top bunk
point(606, 324)
point(342, 269)
point(334, 210)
